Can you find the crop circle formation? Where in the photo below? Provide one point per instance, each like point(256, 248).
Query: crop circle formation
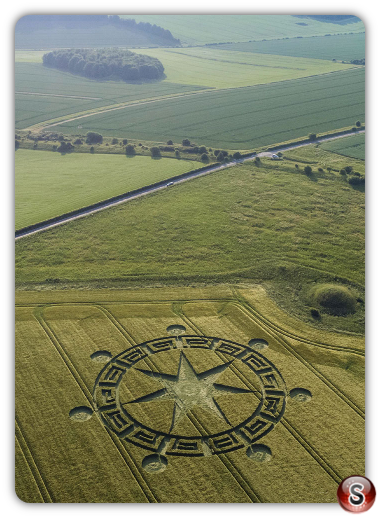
point(191, 396)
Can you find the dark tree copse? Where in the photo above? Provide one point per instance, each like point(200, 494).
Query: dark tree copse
point(105, 63)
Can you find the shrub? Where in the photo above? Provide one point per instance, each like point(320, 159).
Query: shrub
point(125, 142)
point(115, 141)
point(130, 150)
point(313, 136)
point(155, 151)
point(220, 157)
point(320, 170)
point(17, 144)
point(54, 148)
point(169, 142)
point(315, 313)
point(296, 166)
point(177, 154)
point(186, 142)
point(93, 138)
point(308, 170)
point(78, 142)
point(204, 157)
point(354, 128)
point(348, 169)
point(61, 138)
point(257, 160)
point(216, 152)
point(92, 149)
point(236, 155)
point(358, 124)
point(65, 147)
point(343, 172)
point(356, 180)
point(203, 149)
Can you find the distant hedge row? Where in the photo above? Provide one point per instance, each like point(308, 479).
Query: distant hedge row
point(105, 63)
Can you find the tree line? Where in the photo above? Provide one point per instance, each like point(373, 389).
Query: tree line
point(91, 21)
point(105, 63)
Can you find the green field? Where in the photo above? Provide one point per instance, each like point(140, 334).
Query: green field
point(261, 231)
point(48, 184)
point(242, 118)
point(212, 67)
point(345, 47)
point(199, 29)
point(96, 463)
point(64, 93)
point(353, 146)
point(203, 343)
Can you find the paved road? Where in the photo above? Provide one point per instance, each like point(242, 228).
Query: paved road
point(163, 185)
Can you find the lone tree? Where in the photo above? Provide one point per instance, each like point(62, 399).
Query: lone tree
point(308, 170)
point(358, 124)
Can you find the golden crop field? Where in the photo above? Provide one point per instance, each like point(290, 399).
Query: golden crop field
point(182, 395)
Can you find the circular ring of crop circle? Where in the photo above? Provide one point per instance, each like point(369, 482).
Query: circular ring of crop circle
point(260, 419)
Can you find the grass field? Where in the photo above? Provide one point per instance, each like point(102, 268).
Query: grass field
point(195, 29)
point(205, 342)
point(49, 184)
point(212, 67)
point(55, 374)
point(186, 105)
point(276, 225)
point(349, 146)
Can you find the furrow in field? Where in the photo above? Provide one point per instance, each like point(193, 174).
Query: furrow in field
point(127, 457)
point(157, 327)
point(35, 473)
point(245, 304)
point(289, 347)
point(328, 409)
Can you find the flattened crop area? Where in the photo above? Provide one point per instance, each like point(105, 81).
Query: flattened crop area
point(207, 398)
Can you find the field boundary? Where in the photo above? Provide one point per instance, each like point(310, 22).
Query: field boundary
point(251, 314)
point(121, 198)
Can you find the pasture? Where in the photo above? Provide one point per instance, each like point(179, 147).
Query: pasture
point(48, 184)
point(62, 338)
point(276, 225)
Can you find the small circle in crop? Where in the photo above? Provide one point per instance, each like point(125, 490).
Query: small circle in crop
point(154, 463)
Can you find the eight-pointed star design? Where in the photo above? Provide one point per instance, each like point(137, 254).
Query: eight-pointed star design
point(189, 389)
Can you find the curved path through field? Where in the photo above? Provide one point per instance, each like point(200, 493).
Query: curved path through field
point(169, 182)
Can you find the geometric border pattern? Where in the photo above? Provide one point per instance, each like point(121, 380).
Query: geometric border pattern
point(268, 413)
